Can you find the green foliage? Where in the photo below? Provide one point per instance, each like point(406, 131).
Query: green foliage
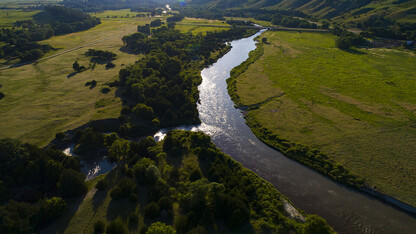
point(21, 40)
point(158, 227)
point(315, 224)
point(119, 150)
point(72, 184)
point(156, 23)
point(165, 203)
point(116, 227)
point(100, 54)
point(166, 79)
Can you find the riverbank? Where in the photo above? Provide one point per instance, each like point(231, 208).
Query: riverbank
point(248, 94)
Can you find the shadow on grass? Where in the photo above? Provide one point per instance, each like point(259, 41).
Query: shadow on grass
point(354, 51)
point(120, 208)
point(71, 74)
point(98, 199)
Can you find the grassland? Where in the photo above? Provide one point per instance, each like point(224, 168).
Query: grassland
point(196, 26)
point(8, 17)
point(47, 97)
point(356, 106)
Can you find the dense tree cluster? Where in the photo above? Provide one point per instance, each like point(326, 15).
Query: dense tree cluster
point(207, 185)
point(175, 18)
point(162, 87)
point(21, 41)
point(240, 22)
point(32, 182)
point(100, 54)
point(346, 39)
point(292, 22)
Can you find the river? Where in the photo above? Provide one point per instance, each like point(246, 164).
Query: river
point(345, 209)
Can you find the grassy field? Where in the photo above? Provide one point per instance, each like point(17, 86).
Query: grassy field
point(8, 17)
point(259, 22)
point(196, 26)
point(356, 106)
point(45, 98)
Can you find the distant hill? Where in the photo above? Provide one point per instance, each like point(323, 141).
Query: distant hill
point(341, 10)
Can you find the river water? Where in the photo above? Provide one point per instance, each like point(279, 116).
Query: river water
point(346, 210)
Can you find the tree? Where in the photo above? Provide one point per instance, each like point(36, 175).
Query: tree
point(72, 183)
point(119, 150)
point(315, 224)
point(76, 66)
point(158, 227)
point(116, 227)
point(155, 23)
point(264, 40)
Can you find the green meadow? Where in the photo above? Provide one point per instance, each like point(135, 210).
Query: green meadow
point(203, 26)
point(47, 97)
point(357, 106)
point(8, 17)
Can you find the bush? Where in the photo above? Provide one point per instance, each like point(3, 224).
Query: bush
point(105, 90)
point(315, 224)
point(158, 228)
point(109, 65)
point(72, 183)
point(165, 203)
point(152, 210)
point(1, 95)
point(99, 226)
point(116, 227)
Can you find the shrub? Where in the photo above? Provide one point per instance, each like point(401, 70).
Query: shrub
point(152, 174)
point(152, 210)
point(116, 227)
point(1, 95)
point(72, 183)
point(158, 228)
point(109, 65)
point(316, 224)
point(105, 90)
point(165, 203)
point(99, 226)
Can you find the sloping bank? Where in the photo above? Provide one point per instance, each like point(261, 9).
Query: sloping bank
point(312, 158)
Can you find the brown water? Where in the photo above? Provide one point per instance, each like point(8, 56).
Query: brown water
point(346, 210)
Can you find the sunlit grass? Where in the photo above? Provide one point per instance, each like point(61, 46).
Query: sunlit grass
point(358, 106)
point(45, 98)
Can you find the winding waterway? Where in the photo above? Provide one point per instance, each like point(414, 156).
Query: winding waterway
point(346, 210)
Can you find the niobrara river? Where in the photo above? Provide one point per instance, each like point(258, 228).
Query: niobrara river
point(345, 209)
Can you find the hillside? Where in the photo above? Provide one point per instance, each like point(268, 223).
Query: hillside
point(341, 10)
